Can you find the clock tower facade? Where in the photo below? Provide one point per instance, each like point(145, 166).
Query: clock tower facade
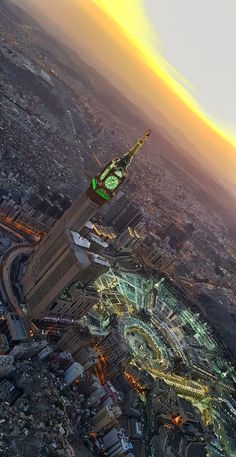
point(101, 190)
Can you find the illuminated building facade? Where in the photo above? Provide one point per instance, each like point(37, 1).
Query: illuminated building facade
point(105, 233)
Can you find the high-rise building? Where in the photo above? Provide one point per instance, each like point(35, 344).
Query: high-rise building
point(86, 356)
point(130, 216)
point(96, 396)
point(106, 233)
point(80, 350)
point(73, 372)
point(60, 260)
point(13, 330)
point(45, 352)
point(70, 341)
point(75, 304)
point(9, 392)
point(115, 208)
point(152, 255)
point(65, 289)
point(116, 443)
point(121, 213)
point(16, 328)
point(110, 438)
point(98, 245)
point(130, 239)
point(105, 416)
point(101, 190)
point(113, 348)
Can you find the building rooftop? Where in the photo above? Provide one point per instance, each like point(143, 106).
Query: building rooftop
point(16, 327)
point(99, 259)
point(89, 225)
point(98, 240)
point(79, 240)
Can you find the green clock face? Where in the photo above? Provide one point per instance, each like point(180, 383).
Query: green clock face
point(111, 182)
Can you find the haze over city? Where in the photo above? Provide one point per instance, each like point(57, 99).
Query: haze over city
point(117, 229)
point(123, 42)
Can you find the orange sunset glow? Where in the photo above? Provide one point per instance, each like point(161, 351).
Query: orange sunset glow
point(133, 21)
point(115, 37)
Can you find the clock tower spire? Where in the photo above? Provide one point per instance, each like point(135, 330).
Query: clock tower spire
point(105, 185)
point(126, 158)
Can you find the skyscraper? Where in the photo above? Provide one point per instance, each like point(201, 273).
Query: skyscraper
point(116, 443)
point(129, 239)
point(115, 208)
point(130, 216)
point(105, 416)
point(113, 348)
point(81, 352)
point(121, 213)
point(73, 372)
point(56, 264)
point(64, 290)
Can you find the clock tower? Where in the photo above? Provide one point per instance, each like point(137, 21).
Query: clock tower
point(106, 184)
point(101, 190)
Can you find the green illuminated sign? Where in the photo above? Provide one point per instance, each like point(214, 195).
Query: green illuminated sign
point(102, 194)
point(94, 183)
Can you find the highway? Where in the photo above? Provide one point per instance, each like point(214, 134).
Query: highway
point(5, 279)
point(5, 271)
point(19, 229)
point(10, 230)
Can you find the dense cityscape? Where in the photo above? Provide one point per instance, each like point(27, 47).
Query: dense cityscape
point(117, 286)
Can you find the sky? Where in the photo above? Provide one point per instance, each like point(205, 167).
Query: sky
point(198, 39)
point(192, 44)
point(173, 58)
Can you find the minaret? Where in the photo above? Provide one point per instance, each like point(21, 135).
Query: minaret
point(101, 190)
